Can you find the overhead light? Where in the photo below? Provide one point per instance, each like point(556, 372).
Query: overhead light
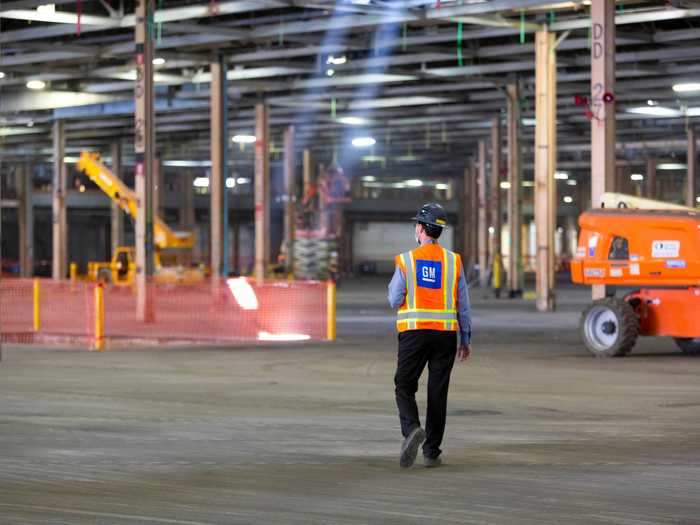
point(505, 185)
point(671, 166)
point(655, 111)
point(528, 184)
point(158, 61)
point(697, 199)
point(36, 84)
point(586, 2)
point(363, 142)
point(81, 189)
point(30, 123)
point(242, 180)
point(230, 182)
point(2, 75)
point(361, 2)
point(369, 178)
point(568, 200)
point(336, 61)
point(201, 182)
point(561, 175)
point(686, 87)
point(352, 121)
point(46, 9)
point(571, 182)
point(442, 186)
point(637, 176)
point(330, 72)
point(651, 103)
point(492, 229)
point(529, 122)
point(244, 139)
point(692, 112)
point(413, 183)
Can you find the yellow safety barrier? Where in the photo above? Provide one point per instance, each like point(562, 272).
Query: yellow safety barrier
point(99, 318)
point(36, 299)
point(330, 311)
point(73, 272)
point(497, 273)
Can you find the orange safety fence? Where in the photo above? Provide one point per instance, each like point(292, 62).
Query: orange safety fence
point(231, 310)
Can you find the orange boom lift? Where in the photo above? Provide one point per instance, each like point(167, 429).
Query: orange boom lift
point(657, 250)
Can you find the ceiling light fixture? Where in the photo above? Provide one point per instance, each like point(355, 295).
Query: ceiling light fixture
point(413, 183)
point(572, 182)
point(655, 111)
point(36, 84)
point(568, 200)
point(244, 139)
point(442, 186)
point(158, 61)
point(352, 121)
point(330, 72)
point(637, 177)
point(336, 61)
point(363, 142)
point(505, 185)
point(2, 75)
point(686, 87)
point(671, 166)
point(561, 175)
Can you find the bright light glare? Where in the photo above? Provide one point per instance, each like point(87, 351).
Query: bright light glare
point(36, 84)
point(505, 185)
point(330, 72)
point(528, 184)
point(369, 178)
point(492, 229)
point(266, 336)
point(201, 182)
point(671, 166)
point(2, 75)
point(413, 183)
point(158, 61)
point(243, 293)
point(442, 186)
point(651, 103)
point(363, 142)
point(336, 61)
point(244, 139)
point(571, 182)
point(242, 180)
point(637, 176)
point(352, 121)
point(46, 9)
point(654, 111)
point(568, 200)
point(230, 182)
point(561, 175)
point(686, 87)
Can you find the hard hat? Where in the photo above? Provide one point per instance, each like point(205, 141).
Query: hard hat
point(433, 214)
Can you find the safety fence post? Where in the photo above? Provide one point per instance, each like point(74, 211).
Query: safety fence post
point(99, 317)
point(73, 275)
point(330, 311)
point(36, 298)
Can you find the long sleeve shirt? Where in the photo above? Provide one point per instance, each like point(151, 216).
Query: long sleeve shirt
point(397, 295)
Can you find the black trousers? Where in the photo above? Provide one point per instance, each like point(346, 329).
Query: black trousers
point(438, 350)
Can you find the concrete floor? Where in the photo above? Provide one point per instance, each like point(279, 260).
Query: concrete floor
point(538, 430)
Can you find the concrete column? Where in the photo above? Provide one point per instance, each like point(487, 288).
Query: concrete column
point(515, 193)
point(545, 163)
point(262, 191)
point(495, 204)
point(187, 215)
point(158, 186)
point(144, 150)
point(307, 170)
point(474, 214)
point(468, 227)
point(117, 216)
point(217, 182)
point(290, 196)
point(60, 226)
point(651, 178)
point(25, 217)
point(691, 191)
point(603, 121)
point(483, 217)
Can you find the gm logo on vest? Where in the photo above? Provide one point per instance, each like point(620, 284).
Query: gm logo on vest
point(429, 274)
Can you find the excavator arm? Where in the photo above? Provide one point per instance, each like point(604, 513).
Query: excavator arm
point(164, 236)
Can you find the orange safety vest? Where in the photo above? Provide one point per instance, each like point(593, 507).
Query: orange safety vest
point(432, 276)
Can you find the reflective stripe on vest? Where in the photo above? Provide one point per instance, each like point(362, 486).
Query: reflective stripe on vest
point(409, 316)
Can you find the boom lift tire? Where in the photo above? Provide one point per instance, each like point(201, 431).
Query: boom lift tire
point(609, 327)
point(688, 345)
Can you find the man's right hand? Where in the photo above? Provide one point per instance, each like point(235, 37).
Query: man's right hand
point(463, 352)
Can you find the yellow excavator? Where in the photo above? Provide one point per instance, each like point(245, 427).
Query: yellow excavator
point(173, 249)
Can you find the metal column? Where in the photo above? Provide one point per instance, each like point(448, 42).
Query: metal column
point(468, 226)
point(603, 121)
point(307, 169)
point(117, 216)
point(262, 191)
point(58, 204)
point(692, 161)
point(144, 148)
point(217, 183)
point(483, 217)
point(495, 205)
point(515, 193)
point(25, 219)
point(290, 197)
point(651, 178)
point(545, 163)
point(158, 186)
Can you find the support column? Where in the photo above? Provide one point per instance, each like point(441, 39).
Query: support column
point(515, 193)
point(117, 216)
point(158, 186)
point(290, 197)
point(692, 161)
point(59, 233)
point(262, 191)
point(545, 164)
point(144, 149)
point(495, 205)
point(483, 217)
point(603, 121)
point(25, 218)
point(651, 178)
point(217, 182)
point(187, 215)
point(468, 227)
